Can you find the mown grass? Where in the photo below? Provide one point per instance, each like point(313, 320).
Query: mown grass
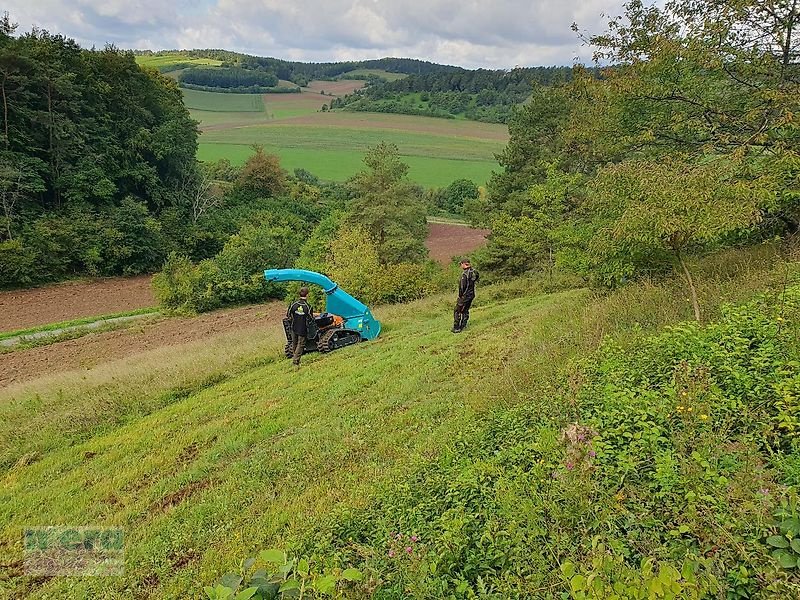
point(208, 451)
point(339, 165)
point(222, 102)
point(75, 323)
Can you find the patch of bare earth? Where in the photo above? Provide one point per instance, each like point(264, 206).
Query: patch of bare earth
point(336, 88)
point(23, 309)
point(97, 348)
point(446, 241)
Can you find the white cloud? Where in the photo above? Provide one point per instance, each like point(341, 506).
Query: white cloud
point(470, 33)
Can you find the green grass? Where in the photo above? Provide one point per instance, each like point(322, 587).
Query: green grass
point(222, 102)
point(208, 451)
point(339, 165)
point(336, 153)
point(333, 146)
point(377, 72)
point(164, 60)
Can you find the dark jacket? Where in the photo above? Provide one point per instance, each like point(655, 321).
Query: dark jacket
point(466, 285)
point(299, 314)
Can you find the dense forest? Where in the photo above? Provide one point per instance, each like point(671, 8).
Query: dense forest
point(480, 95)
point(232, 78)
point(95, 154)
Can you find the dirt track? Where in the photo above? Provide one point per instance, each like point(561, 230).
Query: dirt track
point(22, 309)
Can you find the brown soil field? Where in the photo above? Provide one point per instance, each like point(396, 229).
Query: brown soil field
point(337, 88)
point(447, 241)
point(90, 350)
point(22, 309)
point(356, 120)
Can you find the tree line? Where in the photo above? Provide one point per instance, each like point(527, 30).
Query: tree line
point(96, 156)
point(688, 144)
point(233, 78)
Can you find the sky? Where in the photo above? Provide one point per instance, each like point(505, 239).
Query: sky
point(470, 33)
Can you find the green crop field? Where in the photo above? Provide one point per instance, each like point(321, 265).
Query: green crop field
point(222, 102)
point(206, 452)
point(332, 145)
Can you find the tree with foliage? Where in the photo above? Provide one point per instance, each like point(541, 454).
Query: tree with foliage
point(655, 211)
point(262, 175)
point(389, 206)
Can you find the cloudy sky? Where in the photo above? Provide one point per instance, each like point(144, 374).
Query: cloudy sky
point(470, 33)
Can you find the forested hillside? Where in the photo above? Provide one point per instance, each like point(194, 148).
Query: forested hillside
point(480, 95)
point(299, 73)
point(94, 154)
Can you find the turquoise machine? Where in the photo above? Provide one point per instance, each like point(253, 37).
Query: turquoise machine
point(347, 321)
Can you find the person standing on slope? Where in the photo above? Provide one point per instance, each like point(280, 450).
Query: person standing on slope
point(466, 294)
point(299, 315)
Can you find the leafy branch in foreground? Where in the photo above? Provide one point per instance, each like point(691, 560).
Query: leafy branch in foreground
point(273, 575)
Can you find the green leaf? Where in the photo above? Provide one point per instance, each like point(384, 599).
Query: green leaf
point(273, 555)
point(778, 541)
point(568, 569)
point(578, 583)
point(248, 563)
point(246, 594)
point(231, 580)
point(210, 592)
point(785, 559)
point(302, 567)
point(325, 584)
point(352, 575)
point(796, 545)
point(289, 584)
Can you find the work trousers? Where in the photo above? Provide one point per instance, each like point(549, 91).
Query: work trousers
point(461, 313)
point(298, 346)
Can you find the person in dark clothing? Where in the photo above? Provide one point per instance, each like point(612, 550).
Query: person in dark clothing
point(299, 314)
point(466, 294)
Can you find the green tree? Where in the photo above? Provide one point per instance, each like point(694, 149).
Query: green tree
point(262, 175)
point(649, 212)
point(389, 206)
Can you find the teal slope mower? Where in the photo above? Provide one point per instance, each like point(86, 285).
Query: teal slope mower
point(347, 321)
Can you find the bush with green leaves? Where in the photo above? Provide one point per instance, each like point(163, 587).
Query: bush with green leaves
point(272, 575)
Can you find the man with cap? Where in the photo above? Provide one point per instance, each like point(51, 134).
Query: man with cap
point(299, 314)
point(466, 294)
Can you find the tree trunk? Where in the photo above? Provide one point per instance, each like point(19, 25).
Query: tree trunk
point(5, 109)
point(692, 289)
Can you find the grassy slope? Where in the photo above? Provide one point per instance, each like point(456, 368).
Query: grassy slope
point(164, 60)
point(205, 452)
